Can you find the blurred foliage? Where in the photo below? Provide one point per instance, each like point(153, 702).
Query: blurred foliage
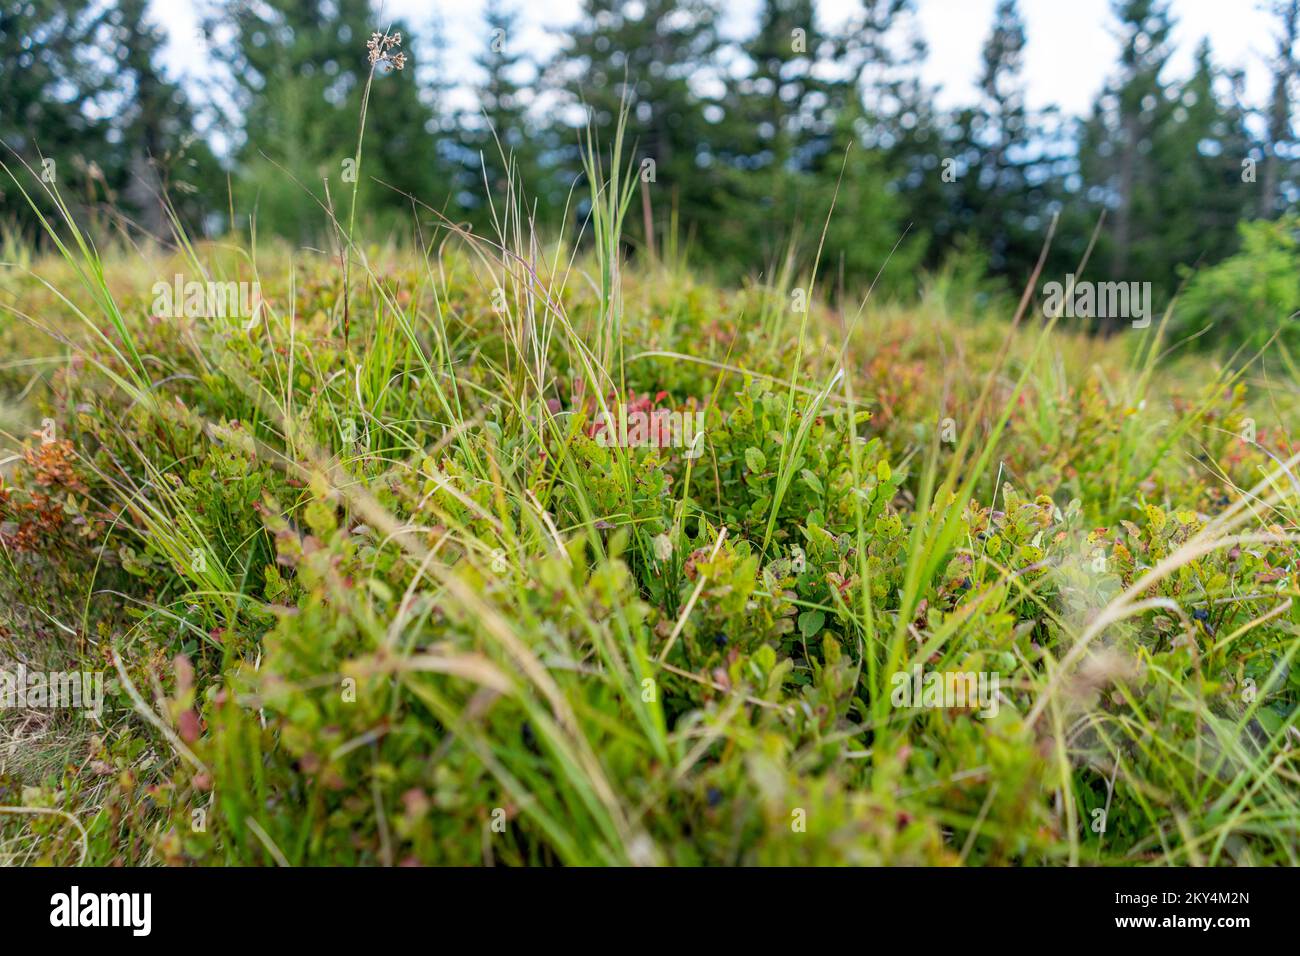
point(1250, 296)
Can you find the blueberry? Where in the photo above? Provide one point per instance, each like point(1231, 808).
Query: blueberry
point(720, 640)
point(714, 796)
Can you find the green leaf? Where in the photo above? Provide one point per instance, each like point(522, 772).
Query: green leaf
point(1270, 720)
point(812, 481)
point(754, 460)
point(810, 622)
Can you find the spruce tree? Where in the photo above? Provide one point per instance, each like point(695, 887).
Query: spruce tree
point(54, 91)
point(501, 133)
point(1115, 155)
point(299, 72)
point(1276, 177)
point(161, 156)
point(1199, 189)
point(651, 55)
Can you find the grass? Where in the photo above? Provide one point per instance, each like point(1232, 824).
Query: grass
point(367, 589)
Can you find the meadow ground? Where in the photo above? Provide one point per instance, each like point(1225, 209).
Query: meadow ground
point(373, 575)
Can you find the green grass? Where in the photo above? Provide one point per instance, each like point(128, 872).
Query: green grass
point(366, 590)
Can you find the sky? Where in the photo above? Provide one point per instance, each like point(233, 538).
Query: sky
point(1070, 52)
